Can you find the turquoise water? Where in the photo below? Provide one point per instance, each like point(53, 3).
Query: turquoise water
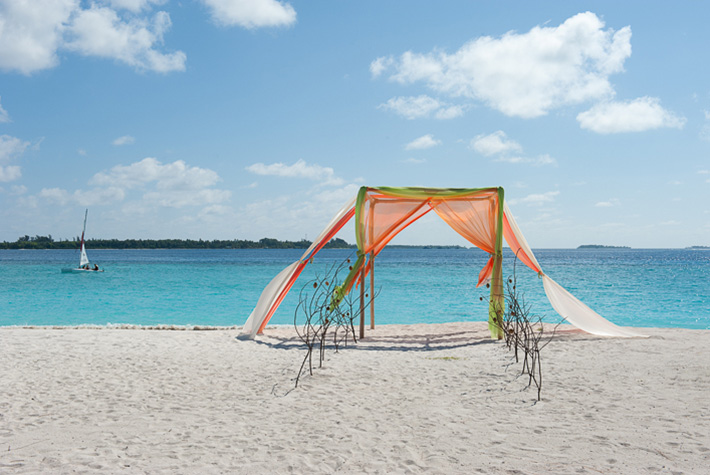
point(659, 288)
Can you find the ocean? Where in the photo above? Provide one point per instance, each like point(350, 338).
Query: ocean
point(630, 287)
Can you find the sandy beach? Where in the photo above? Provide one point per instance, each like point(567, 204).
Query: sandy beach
point(407, 399)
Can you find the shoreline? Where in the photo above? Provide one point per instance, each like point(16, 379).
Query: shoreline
point(187, 327)
point(434, 398)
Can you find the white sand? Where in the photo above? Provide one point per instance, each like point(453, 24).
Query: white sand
point(421, 398)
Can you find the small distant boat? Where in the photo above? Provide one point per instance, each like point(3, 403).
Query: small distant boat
point(84, 264)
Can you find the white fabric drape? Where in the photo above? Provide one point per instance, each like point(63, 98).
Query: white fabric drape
point(270, 295)
point(266, 300)
point(522, 242)
point(566, 304)
point(579, 315)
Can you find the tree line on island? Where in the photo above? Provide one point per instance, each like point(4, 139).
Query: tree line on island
point(47, 242)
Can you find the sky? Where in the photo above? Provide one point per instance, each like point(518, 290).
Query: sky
point(244, 119)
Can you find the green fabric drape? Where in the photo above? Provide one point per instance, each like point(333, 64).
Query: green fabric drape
point(496, 306)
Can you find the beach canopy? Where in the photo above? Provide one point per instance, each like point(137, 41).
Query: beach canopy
point(480, 215)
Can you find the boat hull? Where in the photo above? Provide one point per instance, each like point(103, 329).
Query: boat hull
point(72, 270)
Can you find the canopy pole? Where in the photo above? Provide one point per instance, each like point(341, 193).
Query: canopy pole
point(362, 301)
point(371, 228)
point(372, 290)
point(496, 307)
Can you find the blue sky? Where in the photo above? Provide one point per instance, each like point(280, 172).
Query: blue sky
point(223, 119)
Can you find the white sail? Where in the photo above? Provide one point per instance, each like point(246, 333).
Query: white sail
point(84, 259)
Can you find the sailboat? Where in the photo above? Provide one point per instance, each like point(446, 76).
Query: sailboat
point(84, 264)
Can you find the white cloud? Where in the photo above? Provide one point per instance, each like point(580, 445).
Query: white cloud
point(10, 173)
point(498, 145)
point(420, 107)
point(378, 66)
point(414, 160)
point(124, 140)
point(449, 112)
point(607, 204)
point(11, 147)
point(544, 159)
point(425, 141)
point(96, 196)
point(148, 184)
point(176, 176)
point(411, 107)
point(300, 169)
point(99, 31)
point(644, 113)
point(537, 199)
point(4, 116)
point(18, 189)
point(495, 144)
point(251, 13)
point(31, 33)
point(524, 75)
point(55, 194)
point(215, 211)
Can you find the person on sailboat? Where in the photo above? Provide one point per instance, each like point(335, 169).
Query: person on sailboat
point(96, 267)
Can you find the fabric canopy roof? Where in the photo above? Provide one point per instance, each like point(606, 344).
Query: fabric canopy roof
point(480, 215)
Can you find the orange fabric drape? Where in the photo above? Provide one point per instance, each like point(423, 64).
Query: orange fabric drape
point(384, 217)
point(485, 274)
point(474, 218)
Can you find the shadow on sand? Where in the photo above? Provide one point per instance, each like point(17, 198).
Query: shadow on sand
point(374, 342)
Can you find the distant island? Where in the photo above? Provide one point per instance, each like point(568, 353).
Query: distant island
point(47, 242)
point(698, 247)
point(599, 246)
